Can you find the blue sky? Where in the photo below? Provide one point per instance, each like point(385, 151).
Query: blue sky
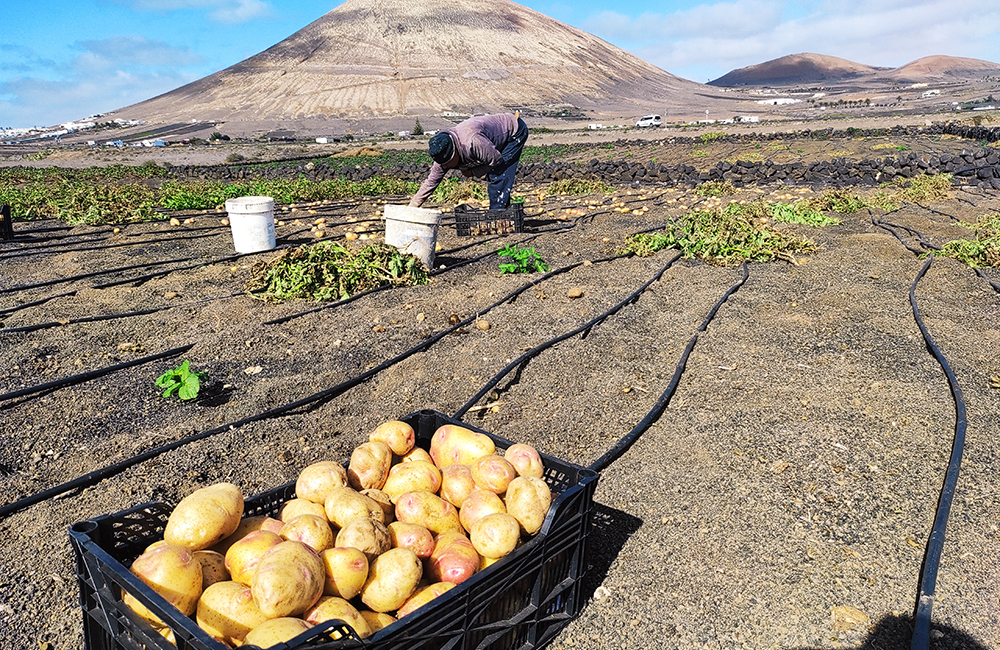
point(62, 60)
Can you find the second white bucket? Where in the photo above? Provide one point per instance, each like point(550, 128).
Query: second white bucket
point(413, 231)
point(251, 219)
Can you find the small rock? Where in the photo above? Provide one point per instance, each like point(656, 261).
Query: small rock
point(482, 324)
point(286, 456)
point(779, 466)
point(253, 370)
point(378, 328)
point(170, 295)
point(421, 317)
point(846, 617)
point(575, 292)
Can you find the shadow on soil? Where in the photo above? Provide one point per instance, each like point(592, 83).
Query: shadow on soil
point(894, 632)
point(611, 529)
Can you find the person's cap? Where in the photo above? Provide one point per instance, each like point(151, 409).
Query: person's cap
point(441, 148)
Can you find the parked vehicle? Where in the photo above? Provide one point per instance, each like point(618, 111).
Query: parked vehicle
point(649, 120)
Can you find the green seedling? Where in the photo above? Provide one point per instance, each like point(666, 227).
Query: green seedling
point(182, 381)
point(522, 260)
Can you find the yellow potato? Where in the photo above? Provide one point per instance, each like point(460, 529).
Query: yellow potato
point(243, 556)
point(213, 567)
point(493, 473)
point(412, 536)
point(346, 571)
point(289, 580)
point(227, 612)
point(311, 530)
point(344, 505)
point(367, 535)
point(414, 475)
point(172, 571)
point(205, 517)
point(456, 484)
point(428, 510)
point(376, 620)
point(454, 559)
point(392, 577)
point(369, 466)
point(381, 498)
point(315, 481)
point(275, 631)
point(328, 608)
point(399, 436)
point(525, 459)
point(295, 507)
point(424, 596)
point(416, 453)
point(453, 444)
point(495, 536)
point(247, 526)
point(528, 500)
point(479, 504)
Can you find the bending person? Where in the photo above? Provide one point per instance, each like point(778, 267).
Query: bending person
point(489, 145)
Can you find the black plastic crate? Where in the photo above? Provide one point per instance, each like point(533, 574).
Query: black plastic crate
point(474, 222)
point(519, 603)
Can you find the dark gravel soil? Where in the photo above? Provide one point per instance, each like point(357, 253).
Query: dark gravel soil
point(783, 500)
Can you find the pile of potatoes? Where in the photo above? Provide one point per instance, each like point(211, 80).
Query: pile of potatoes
point(367, 544)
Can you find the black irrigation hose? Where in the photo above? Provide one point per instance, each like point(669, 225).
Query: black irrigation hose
point(98, 248)
point(661, 404)
point(943, 214)
point(935, 544)
point(538, 349)
point(83, 276)
point(35, 303)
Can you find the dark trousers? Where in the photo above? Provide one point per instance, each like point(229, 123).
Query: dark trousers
point(501, 177)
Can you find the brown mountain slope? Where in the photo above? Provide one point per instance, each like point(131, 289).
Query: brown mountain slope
point(938, 67)
point(389, 58)
point(800, 68)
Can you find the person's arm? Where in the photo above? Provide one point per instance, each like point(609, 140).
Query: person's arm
point(428, 186)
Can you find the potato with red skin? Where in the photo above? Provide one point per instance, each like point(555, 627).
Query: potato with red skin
point(479, 504)
point(172, 571)
point(289, 580)
point(243, 556)
point(494, 536)
point(456, 484)
point(412, 536)
point(247, 526)
point(407, 477)
point(392, 577)
point(295, 507)
point(454, 559)
point(312, 530)
point(525, 459)
point(369, 536)
point(493, 473)
point(276, 630)
point(528, 500)
point(423, 596)
point(428, 510)
point(398, 436)
point(315, 481)
point(417, 453)
point(213, 567)
point(452, 444)
point(227, 612)
point(344, 505)
point(369, 466)
point(329, 608)
point(205, 517)
point(346, 571)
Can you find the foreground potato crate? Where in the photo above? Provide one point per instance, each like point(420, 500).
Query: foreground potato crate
point(475, 222)
point(521, 602)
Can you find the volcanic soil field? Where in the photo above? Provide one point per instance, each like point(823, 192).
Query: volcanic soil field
point(782, 496)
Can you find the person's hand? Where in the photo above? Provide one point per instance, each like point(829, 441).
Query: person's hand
point(414, 203)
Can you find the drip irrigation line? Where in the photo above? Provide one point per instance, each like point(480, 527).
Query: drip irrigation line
point(98, 248)
point(141, 279)
point(935, 543)
point(83, 276)
point(93, 374)
point(995, 285)
point(943, 214)
point(538, 349)
point(629, 439)
point(883, 225)
point(35, 303)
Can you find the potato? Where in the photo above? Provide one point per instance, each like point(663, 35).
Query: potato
point(311, 530)
point(528, 500)
point(398, 436)
point(331, 607)
point(495, 536)
point(479, 504)
point(392, 578)
point(369, 536)
point(172, 571)
point(315, 481)
point(247, 526)
point(369, 466)
point(414, 475)
point(381, 498)
point(493, 473)
point(456, 484)
point(275, 631)
point(424, 596)
point(525, 459)
point(454, 559)
point(453, 444)
point(487, 562)
point(344, 505)
point(412, 536)
point(346, 571)
point(295, 507)
point(376, 620)
point(213, 567)
point(226, 611)
point(416, 453)
point(289, 580)
point(206, 516)
point(428, 510)
point(243, 556)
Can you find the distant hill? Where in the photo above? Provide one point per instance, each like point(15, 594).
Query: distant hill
point(808, 68)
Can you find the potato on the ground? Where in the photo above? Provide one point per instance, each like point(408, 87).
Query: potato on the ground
point(525, 459)
point(479, 504)
point(369, 536)
point(213, 567)
point(344, 505)
point(315, 481)
point(247, 526)
point(428, 510)
point(528, 500)
point(453, 444)
point(289, 580)
point(381, 498)
point(412, 536)
point(456, 484)
point(495, 536)
point(295, 507)
point(275, 631)
point(392, 577)
point(226, 611)
point(493, 473)
point(454, 559)
point(377, 620)
point(172, 571)
point(346, 571)
point(424, 596)
point(206, 516)
point(369, 466)
point(415, 475)
point(243, 556)
point(331, 607)
point(399, 436)
point(417, 453)
point(312, 530)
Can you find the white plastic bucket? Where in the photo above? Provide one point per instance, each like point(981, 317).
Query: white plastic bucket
point(251, 218)
point(413, 231)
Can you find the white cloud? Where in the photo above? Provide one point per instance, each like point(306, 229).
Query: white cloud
point(221, 11)
point(138, 50)
point(724, 18)
point(243, 12)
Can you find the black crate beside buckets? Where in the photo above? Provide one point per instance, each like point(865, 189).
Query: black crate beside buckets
point(471, 221)
point(521, 602)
